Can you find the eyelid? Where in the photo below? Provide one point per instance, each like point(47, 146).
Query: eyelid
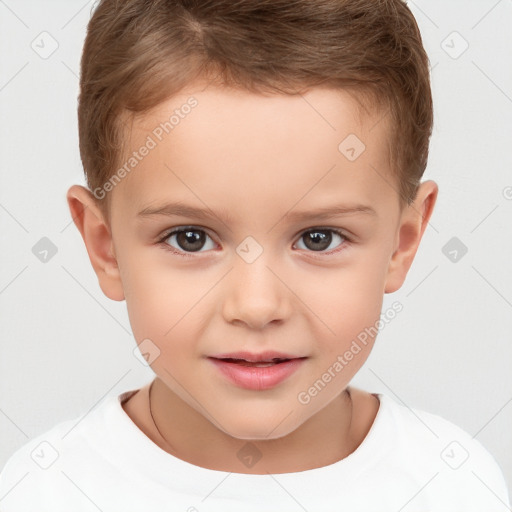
point(340, 231)
point(177, 229)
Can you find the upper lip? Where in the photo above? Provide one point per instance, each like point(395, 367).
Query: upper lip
point(266, 356)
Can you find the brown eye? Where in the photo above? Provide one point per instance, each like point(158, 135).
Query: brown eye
point(318, 240)
point(187, 239)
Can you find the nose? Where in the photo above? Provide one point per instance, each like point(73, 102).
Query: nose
point(255, 294)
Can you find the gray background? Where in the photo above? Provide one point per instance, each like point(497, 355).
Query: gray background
point(65, 346)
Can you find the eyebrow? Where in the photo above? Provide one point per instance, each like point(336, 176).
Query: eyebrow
point(182, 210)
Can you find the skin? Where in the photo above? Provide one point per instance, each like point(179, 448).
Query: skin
point(255, 158)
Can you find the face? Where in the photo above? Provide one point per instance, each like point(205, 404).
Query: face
point(292, 252)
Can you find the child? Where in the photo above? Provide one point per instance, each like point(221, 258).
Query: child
point(258, 131)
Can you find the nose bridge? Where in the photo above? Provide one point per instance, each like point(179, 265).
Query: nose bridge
point(255, 295)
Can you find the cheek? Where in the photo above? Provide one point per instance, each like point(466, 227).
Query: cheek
point(156, 296)
point(166, 305)
point(347, 308)
point(349, 294)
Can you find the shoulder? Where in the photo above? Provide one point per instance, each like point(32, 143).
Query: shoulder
point(451, 462)
point(31, 472)
point(44, 470)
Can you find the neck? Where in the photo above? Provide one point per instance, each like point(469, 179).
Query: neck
point(183, 432)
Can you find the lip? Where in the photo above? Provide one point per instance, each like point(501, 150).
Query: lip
point(268, 355)
point(257, 378)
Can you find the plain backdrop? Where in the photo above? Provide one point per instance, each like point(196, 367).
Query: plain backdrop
point(65, 346)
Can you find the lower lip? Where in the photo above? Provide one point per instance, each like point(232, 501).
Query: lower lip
point(257, 377)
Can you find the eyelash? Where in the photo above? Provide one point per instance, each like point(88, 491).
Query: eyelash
point(162, 240)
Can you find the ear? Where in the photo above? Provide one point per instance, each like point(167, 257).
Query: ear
point(414, 220)
point(97, 238)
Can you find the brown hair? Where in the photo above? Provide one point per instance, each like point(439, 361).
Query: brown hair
point(138, 53)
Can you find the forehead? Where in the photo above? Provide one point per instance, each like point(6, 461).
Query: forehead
point(220, 145)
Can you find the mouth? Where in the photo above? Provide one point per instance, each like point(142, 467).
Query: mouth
point(268, 357)
point(257, 375)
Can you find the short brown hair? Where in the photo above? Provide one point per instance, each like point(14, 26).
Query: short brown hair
point(138, 53)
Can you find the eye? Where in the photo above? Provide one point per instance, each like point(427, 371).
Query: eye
point(187, 239)
point(190, 239)
point(319, 239)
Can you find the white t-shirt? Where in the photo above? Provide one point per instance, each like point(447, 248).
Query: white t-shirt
point(409, 461)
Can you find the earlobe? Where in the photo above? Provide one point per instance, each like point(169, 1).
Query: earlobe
point(97, 238)
point(413, 224)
